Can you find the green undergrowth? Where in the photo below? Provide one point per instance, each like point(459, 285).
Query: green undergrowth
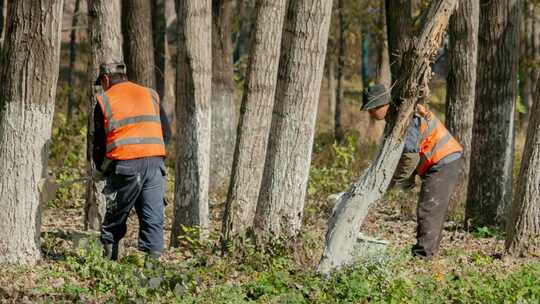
point(85, 276)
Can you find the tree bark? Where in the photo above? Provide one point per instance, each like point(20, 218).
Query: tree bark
point(245, 13)
point(159, 35)
point(255, 118)
point(338, 128)
point(463, 51)
point(352, 207)
point(332, 89)
point(28, 82)
point(3, 17)
point(281, 199)
point(223, 106)
point(492, 155)
point(523, 232)
point(138, 41)
point(399, 29)
point(193, 86)
point(105, 46)
point(72, 99)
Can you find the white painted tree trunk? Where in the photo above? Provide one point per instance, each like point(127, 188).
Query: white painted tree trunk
point(280, 206)
point(28, 90)
point(255, 118)
point(194, 79)
point(105, 35)
point(353, 206)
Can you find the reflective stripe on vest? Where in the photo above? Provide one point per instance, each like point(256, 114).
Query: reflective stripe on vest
point(132, 122)
point(435, 142)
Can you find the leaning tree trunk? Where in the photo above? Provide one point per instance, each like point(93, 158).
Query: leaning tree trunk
point(28, 83)
point(159, 34)
point(255, 118)
point(399, 27)
point(338, 128)
point(352, 207)
point(223, 107)
point(72, 98)
point(193, 85)
point(463, 32)
point(105, 37)
point(523, 232)
point(492, 155)
point(138, 41)
point(281, 199)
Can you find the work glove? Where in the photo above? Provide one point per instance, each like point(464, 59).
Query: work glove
point(405, 175)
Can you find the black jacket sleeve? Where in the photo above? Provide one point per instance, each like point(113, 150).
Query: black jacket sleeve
point(100, 138)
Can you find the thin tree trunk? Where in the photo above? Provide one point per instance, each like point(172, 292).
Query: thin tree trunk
point(523, 232)
point(399, 29)
point(138, 41)
point(105, 37)
point(492, 155)
point(3, 17)
point(159, 34)
point(255, 118)
point(72, 99)
point(353, 206)
point(193, 86)
point(223, 107)
point(281, 199)
point(28, 82)
point(332, 89)
point(245, 12)
point(338, 128)
point(463, 51)
point(364, 73)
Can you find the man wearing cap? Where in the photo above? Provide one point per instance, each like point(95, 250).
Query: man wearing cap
point(431, 152)
point(131, 130)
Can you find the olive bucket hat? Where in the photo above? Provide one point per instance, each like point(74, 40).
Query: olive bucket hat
point(378, 96)
point(110, 68)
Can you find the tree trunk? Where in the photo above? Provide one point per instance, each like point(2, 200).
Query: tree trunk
point(138, 41)
point(364, 73)
point(28, 82)
point(3, 17)
point(245, 12)
point(223, 106)
point(530, 51)
point(399, 29)
point(193, 85)
point(255, 118)
point(72, 99)
point(492, 155)
point(523, 232)
point(338, 128)
point(159, 34)
point(463, 51)
point(105, 37)
point(283, 189)
point(332, 89)
point(352, 207)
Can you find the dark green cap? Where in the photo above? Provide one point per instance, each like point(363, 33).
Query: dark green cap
point(118, 67)
point(378, 96)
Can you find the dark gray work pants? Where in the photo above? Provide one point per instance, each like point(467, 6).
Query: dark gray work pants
point(438, 183)
point(138, 183)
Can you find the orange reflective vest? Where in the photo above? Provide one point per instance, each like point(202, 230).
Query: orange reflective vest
point(435, 142)
point(132, 122)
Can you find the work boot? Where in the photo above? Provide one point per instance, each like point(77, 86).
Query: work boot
point(110, 251)
point(151, 260)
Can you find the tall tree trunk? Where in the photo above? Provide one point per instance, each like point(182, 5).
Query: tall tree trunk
point(523, 232)
point(332, 88)
point(364, 73)
point(72, 99)
point(245, 14)
point(105, 37)
point(223, 106)
point(492, 155)
point(353, 206)
point(281, 199)
point(530, 51)
point(27, 92)
point(255, 118)
point(338, 128)
point(159, 34)
point(193, 85)
point(463, 51)
point(3, 17)
point(399, 29)
point(138, 41)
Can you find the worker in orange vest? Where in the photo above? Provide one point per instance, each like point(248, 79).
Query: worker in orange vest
point(431, 152)
point(131, 131)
